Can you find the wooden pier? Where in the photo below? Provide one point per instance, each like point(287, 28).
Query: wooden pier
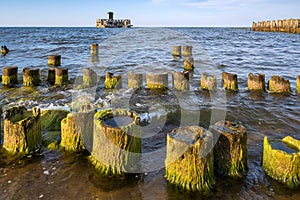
point(286, 26)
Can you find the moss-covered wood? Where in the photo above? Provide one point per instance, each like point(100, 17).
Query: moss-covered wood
point(22, 130)
point(54, 60)
point(111, 81)
point(116, 149)
point(135, 80)
point(186, 50)
point(9, 76)
point(51, 76)
point(298, 85)
point(188, 64)
point(189, 160)
point(89, 78)
point(278, 84)
point(51, 140)
point(281, 160)
point(230, 81)
point(176, 51)
point(61, 76)
point(231, 150)
point(208, 82)
point(181, 80)
point(256, 82)
point(31, 76)
point(157, 81)
point(51, 119)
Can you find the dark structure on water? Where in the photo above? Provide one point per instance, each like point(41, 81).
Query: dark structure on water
point(110, 22)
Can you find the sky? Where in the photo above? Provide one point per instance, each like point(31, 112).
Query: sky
point(161, 13)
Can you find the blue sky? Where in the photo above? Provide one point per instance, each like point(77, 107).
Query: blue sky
point(146, 12)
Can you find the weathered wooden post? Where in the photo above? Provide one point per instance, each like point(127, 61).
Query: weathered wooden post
point(208, 82)
point(188, 64)
point(22, 130)
point(4, 50)
point(31, 76)
point(94, 49)
point(111, 81)
point(89, 78)
point(298, 85)
point(176, 51)
point(9, 76)
point(187, 51)
point(256, 82)
point(51, 76)
point(231, 150)
point(181, 80)
point(254, 26)
point(189, 159)
point(281, 160)
point(230, 81)
point(157, 81)
point(61, 76)
point(54, 60)
point(278, 84)
point(135, 80)
point(117, 141)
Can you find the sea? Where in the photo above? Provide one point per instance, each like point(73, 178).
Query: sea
point(54, 174)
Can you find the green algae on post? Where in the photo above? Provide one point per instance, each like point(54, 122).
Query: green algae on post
point(51, 119)
point(9, 76)
point(111, 82)
point(188, 64)
point(51, 76)
point(61, 76)
point(135, 80)
point(256, 82)
point(231, 150)
point(89, 78)
point(230, 81)
point(278, 84)
point(208, 82)
point(189, 160)
point(181, 80)
point(51, 140)
point(117, 145)
point(187, 50)
point(176, 51)
point(22, 130)
point(157, 81)
point(282, 164)
point(31, 76)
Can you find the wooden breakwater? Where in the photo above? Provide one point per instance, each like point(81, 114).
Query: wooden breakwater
point(286, 26)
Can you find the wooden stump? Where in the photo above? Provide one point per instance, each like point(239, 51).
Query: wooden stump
point(51, 76)
point(54, 60)
point(9, 76)
point(189, 160)
point(281, 160)
point(89, 78)
point(111, 81)
point(117, 141)
point(208, 82)
point(176, 51)
point(278, 84)
point(181, 80)
point(230, 151)
point(256, 82)
point(188, 64)
point(135, 80)
point(4, 50)
point(186, 50)
point(22, 130)
point(31, 76)
point(230, 81)
point(157, 81)
point(61, 76)
point(298, 85)
point(94, 49)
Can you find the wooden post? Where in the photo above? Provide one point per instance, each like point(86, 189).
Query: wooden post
point(231, 150)
point(208, 82)
point(176, 51)
point(94, 49)
point(188, 165)
point(111, 81)
point(181, 80)
point(54, 60)
point(89, 78)
point(278, 84)
point(230, 81)
point(135, 80)
point(51, 76)
point(61, 76)
point(256, 82)
point(298, 85)
point(187, 51)
point(9, 76)
point(188, 64)
point(157, 81)
point(22, 130)
point(4, 50)
point(31, 76)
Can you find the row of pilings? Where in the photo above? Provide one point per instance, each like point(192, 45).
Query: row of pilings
point(286, 26)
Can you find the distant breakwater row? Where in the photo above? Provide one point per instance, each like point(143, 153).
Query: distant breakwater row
point(286, 26)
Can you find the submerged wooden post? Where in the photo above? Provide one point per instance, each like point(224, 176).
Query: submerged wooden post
point(187, 50)
point(181, 80)
point(256, 82)
point(54, 60)
point(135, 80)
point(298, 85)
point(22, 130)
point(176, 51)
point(188, 64)
point(94, 49)
point(278, 84)
point(61, 76)
point(111, 81)
point(189, 159)
point(208, 82)
point(9, 76)
point(89, 78)
point(51, 76)
point(157, 81)
point(31, 76)
point(4, 50)
point(230, 81)
point(231, 150)
point(117, 141)
point(281, 160)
